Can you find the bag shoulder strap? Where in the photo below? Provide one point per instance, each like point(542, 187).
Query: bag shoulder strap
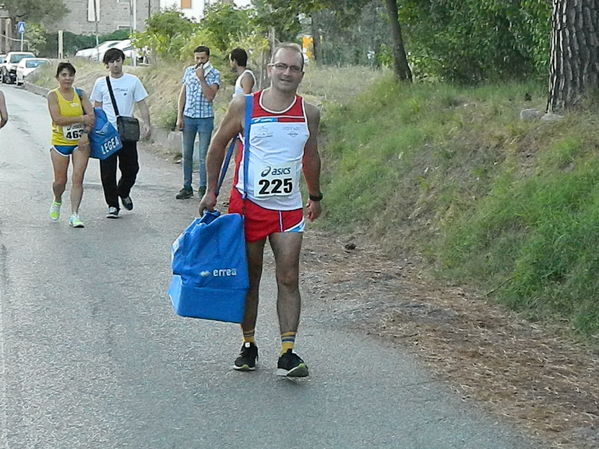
point(249, 105)
point(116, 108)
point(246, 130)
point(79, 93)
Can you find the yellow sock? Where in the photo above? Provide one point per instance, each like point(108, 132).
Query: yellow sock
point(248, 336)
point(287, 341)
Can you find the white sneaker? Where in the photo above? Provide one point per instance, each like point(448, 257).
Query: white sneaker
point(113, 212)
point(75, 221)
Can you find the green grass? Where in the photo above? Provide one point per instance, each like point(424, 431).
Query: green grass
point(507, 205)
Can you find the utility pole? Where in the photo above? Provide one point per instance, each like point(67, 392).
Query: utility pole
point(60, 44)
point(96, 27)
point(133, 18)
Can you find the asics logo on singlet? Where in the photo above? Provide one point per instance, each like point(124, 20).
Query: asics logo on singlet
point(276, 171)
point(222, 272)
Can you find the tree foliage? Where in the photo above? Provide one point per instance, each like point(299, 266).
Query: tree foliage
point(35, 10)
point(225, 25)
point(474, 40)
point(165, 33)
point(285, 15)
point(36, 38)
point(170, 35)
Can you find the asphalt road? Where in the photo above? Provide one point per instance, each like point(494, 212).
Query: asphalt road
point(92, 356)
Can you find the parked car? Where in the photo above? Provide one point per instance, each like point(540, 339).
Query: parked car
point(28, 65)
point(130, 51)
point(2, 59)
point(96, 53)
point(9, 68)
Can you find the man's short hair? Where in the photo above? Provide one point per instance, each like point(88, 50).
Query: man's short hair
point(202, 49)
point(65, 65)
point(289, 46)
point(112, 54)
point(240, 56)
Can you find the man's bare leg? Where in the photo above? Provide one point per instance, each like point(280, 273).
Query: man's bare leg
point(286, 247)
point(249, 352)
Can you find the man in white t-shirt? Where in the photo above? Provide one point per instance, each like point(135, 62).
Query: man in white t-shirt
point(128, 91)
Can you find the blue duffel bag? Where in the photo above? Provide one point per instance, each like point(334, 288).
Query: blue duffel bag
point(209, 261)
point(210, 273)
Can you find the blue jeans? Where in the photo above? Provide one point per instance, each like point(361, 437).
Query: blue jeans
point(203, 128)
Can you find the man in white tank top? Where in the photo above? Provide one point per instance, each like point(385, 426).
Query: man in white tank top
point(283, 135)
point(246, 81)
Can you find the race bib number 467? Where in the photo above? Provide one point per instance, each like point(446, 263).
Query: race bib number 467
point(72, 132)
point(276, 181)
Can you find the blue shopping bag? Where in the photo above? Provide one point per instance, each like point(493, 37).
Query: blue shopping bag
point(104, 139)
point(210, 273)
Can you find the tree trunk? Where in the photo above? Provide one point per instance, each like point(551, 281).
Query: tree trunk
point(400, 61)
point(317, 49)
point(574, 52)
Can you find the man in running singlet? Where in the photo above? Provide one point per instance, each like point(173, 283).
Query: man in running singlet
point(283, 146)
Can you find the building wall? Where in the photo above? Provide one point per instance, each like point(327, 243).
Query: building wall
point(194, 9)
point(112, 15)
point(194, 12)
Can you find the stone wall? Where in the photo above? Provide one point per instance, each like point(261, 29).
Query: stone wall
point(113, 15)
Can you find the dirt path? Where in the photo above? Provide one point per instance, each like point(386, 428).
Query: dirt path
point(533, 374)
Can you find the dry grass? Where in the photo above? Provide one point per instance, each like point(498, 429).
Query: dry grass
point(535, 375)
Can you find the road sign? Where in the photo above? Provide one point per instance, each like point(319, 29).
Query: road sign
point(20, 27)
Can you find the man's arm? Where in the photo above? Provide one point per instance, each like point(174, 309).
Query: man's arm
point(311, 162)
point(145, 115)
point(209, 90)
point(3, 111)
point(247, 83)
point(181, 107)
point(231, 125)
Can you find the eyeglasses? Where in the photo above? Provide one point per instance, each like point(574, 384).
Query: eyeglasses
point(283, 67)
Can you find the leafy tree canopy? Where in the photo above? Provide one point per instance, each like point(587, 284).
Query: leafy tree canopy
point(165, 33)
point(473, 40)
point(285, 15)
point(35, 10)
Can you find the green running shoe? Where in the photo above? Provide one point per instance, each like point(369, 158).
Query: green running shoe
point(55, 211)
point(75, 221)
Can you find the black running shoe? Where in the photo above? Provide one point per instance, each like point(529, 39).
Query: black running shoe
point(291, 365)
point(184, 194)
point(247, 357)
point(127, 202)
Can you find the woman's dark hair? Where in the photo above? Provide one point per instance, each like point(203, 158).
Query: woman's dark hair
point(65, 65)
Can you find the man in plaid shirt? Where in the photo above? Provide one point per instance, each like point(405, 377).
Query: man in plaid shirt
point(195, 115)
